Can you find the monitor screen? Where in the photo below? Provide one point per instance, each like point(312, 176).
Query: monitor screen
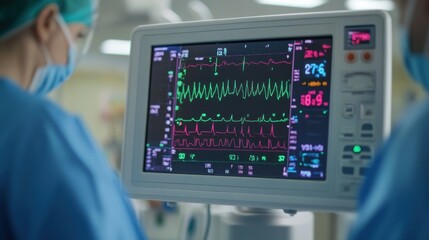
point(283, 111)
point(240, 108)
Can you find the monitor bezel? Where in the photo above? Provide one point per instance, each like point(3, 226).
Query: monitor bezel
point(232, 190)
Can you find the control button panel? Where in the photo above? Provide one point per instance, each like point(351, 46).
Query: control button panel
point(363, 87)
point(355, 159)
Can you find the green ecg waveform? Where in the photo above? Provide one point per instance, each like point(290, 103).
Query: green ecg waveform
point(227, 88)
point(242, 120)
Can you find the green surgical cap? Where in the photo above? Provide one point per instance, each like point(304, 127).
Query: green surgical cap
point(15, 14)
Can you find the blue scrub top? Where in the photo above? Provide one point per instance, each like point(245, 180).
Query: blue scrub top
point(54, 181)
point(394, 199)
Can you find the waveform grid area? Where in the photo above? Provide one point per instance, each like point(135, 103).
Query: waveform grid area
point(262, 119)
point(237, 64)
point(241, 131)
point(227, 88)
point(230, 143)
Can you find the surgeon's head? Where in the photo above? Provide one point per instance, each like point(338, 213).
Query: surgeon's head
point(53, 32)
point(414, 21)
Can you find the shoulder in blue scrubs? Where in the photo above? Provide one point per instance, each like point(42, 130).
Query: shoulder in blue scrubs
point(54, 181)
point(394, 199)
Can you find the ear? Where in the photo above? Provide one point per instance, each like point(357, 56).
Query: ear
point(45, 23)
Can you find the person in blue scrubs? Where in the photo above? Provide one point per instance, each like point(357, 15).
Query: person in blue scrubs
point(55, 182)
point(394, 199)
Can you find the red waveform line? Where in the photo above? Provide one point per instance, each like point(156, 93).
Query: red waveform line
point(225, 63)
point(228, 143)
point(243, 131)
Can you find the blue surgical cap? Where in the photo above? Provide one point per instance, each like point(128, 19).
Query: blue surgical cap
point(15, 14)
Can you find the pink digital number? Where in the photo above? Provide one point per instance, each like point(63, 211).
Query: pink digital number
point(358, 37)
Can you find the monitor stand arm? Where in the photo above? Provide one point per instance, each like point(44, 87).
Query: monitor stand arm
point(260, 223)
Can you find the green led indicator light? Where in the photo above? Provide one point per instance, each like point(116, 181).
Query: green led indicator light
point(177, 108)
point(357, 149)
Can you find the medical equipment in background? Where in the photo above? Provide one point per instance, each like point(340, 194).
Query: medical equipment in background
point(282, 112)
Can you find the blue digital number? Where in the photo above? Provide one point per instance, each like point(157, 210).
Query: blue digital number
point(315, 70)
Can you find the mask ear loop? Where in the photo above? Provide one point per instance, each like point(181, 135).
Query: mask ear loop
point(87, 43)
point(36, 81)
point(65, 30)
point(69, 38)
point(46, 54)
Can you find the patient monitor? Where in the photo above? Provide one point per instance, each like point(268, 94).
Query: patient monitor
point(282, 111)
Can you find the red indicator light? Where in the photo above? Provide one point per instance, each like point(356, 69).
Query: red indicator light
point(351, 57)
point(366, 56)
